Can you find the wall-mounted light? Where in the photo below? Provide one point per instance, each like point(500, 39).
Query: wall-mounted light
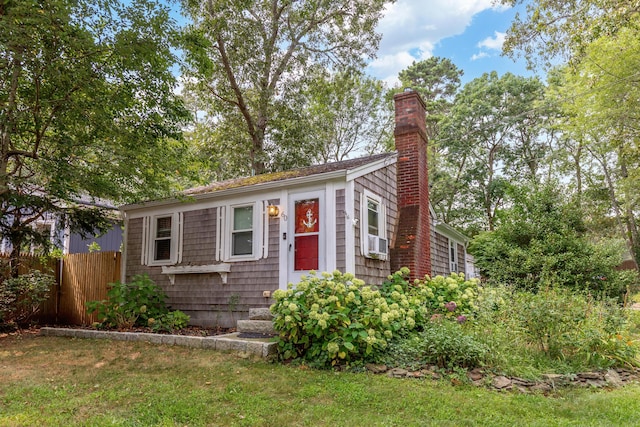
point(273, 211)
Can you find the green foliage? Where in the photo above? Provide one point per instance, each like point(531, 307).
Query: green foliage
point(553, 329)
point(557, 29)
point(332, 318)
point(130, 304)
point(541, 243)
point(451, 296)
point(248, 62)
point(443, 343)
point(347, 113)
point(20, 297)
point(598, 124)
point(168, 322)
point(335, 318)
point(492, 140)
point(87, 108)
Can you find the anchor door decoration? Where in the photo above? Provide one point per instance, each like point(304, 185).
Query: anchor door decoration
point(306, 234)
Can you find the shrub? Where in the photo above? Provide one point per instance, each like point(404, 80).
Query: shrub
point(541, 242)
point(451, 296)
point(20, 297)
point(174, 320)
point(553, 328)
point(444, 343)
point(334, 317)
point(130, 304)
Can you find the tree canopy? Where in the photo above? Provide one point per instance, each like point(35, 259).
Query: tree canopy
point(249, 61)
point(86, 108)
point(560, 30)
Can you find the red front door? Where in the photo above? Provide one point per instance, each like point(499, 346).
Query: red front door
point(306, 227)
point(306, 235)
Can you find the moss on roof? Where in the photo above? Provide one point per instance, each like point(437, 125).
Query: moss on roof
point(282, 176)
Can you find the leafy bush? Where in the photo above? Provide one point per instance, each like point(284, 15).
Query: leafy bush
point(452, 296)
point(541, 242)
point(169, 322)
point(130, 304)
point(20, 297)
point(334, 317)
point(444, 343)
point(553, 328)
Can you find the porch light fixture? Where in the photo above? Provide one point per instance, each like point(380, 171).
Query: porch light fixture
point(273, 211)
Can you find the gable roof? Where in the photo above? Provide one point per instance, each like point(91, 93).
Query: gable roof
point(325, 171)
point(345, 165)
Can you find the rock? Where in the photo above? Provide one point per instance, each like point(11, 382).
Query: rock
point(475, 374)
point(590, 376)
point(613, 378)
point(522, 382)
point(376, 369)
point(501, 382)
point(416, 374)
point(541, 387)
point(397, 373)
point(552, 377)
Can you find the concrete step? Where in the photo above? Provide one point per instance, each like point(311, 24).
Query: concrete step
point(256, 327)
point(260, 314)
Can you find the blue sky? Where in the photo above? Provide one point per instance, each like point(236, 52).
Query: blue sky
point(468, 32)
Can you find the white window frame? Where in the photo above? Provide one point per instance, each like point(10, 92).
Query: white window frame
point(259, 229)
point(453, 260)
point(149, 239)
point(373, 246)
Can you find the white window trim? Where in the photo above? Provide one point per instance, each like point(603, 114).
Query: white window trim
point(375, 252)
point(148, 239)
point(225, 233)
point(453, 263)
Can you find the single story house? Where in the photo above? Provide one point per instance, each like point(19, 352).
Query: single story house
point(225, 247)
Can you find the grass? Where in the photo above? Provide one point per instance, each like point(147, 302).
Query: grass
point(49, 381)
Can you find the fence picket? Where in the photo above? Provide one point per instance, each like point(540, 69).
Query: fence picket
point(84, 277)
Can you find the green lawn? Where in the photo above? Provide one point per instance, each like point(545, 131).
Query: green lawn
point(48, 381)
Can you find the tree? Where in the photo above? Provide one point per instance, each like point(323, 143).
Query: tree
point(437, 80)
point(348, 113)
point(86, 107)
point(600, 98)
point(491, 126)
point(542, 243)
point(560, 29)
point(249, 58)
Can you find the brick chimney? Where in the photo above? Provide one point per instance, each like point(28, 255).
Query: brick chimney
point(412, 246)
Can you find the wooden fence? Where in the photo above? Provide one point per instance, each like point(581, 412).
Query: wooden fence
point(79, 278)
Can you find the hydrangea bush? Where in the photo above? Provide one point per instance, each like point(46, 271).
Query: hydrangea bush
point(452, 296)
point(332, 318)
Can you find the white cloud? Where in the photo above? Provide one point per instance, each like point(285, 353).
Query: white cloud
point(411, 28)
point(480, 55)
point(493, 43)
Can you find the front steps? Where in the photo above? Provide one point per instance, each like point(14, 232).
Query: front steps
point(259, 324)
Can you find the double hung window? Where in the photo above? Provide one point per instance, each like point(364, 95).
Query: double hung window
point(374, 226)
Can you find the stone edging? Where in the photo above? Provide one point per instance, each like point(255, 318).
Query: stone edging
point(612, 378)
point(229, 342)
